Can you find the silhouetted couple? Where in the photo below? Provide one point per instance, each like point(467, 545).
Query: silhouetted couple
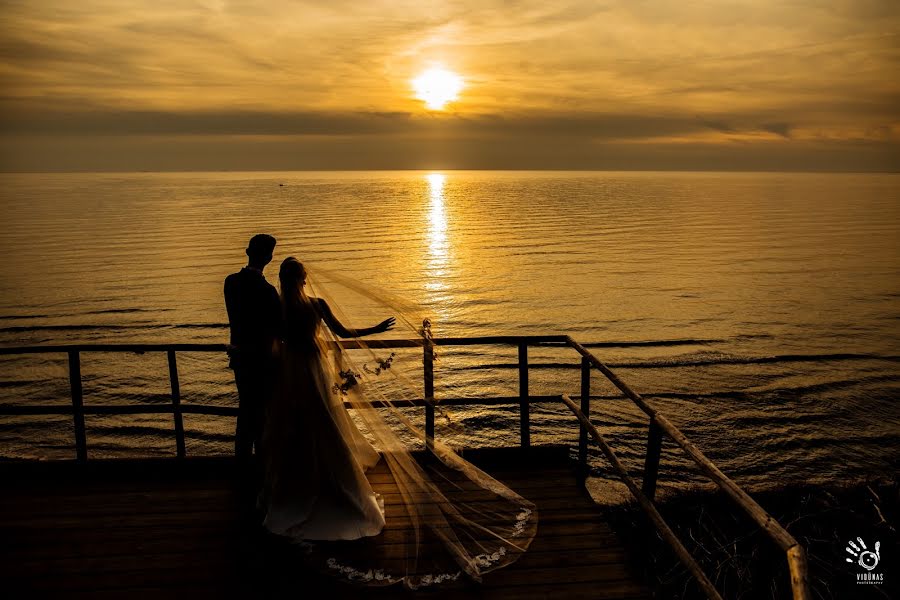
point(312, 455)
point(294, 380)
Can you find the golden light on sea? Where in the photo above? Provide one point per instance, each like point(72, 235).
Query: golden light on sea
point(437, 86)
point(437, 218)
point(440, 259)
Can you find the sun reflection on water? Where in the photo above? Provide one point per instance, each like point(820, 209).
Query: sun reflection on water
point(437, 219)
point(437, 233)
point(437, 267)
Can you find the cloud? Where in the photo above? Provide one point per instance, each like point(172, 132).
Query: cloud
point(277, 153)
point(615, 72)
point(61, 118)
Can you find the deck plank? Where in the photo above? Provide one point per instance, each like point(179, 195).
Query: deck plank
point(144, 534)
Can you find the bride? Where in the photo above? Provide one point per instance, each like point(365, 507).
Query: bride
point(316, 458)
point(445, 517)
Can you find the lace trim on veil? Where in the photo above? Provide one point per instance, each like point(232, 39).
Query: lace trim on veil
point(378, 575)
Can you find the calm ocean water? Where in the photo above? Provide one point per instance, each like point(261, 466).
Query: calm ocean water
point(781, 292)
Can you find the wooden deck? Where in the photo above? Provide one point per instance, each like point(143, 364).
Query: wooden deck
point(161, 529)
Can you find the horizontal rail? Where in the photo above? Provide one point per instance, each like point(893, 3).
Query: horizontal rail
point(122, 409)
point(552, 341)
point(485, 340)
point(346, 344)
point(138, 348)
point(231, 411)
point(66, 409)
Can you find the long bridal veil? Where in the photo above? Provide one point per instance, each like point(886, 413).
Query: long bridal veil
point(445, 519)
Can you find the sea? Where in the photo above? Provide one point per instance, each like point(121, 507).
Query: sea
point(760, 312)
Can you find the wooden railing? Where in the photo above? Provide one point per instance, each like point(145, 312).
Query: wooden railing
point(78, 410)
point(659, 425)
point(658, 428)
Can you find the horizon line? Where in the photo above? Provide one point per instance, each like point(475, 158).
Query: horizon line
point(441, 169)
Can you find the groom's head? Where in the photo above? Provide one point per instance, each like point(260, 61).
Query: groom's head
point(260, 249)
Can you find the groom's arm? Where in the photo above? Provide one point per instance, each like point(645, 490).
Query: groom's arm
point(273, 309)
point(231, 304)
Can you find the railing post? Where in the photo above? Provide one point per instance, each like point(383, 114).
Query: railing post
point(586, 409)
point(524, 416)
point(428, 362)
point(651, 463)
point(77, 405)
point(796, 557)
point(176, 405)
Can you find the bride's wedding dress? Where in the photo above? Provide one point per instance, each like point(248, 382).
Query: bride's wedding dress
point(315, 457)
point(445, 517)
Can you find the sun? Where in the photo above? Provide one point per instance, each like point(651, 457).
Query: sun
point(437, 86)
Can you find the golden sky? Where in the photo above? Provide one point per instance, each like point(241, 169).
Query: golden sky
point(708, 84)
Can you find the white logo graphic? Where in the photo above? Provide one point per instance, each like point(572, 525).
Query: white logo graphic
point(862, 556)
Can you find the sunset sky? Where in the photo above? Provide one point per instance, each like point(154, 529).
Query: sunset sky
point(623, 84)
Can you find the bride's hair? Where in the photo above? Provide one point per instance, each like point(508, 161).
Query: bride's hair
point(292, 276)
point(296, 304)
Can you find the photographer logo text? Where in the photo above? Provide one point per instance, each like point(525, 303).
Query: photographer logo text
point(866, 559)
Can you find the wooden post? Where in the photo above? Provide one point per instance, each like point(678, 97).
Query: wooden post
point(176, 405)
point(428, 361)
point(651, 463)
point(77, 405)
point(586, 409)
point(524, 417)
point(796, 557)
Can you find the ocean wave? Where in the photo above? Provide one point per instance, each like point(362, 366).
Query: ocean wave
point(751, 360)
point(653, 343)
point(162, 432)
point(698, 361)
point(794, 390)
point(111, 327)
point(823, 440)
point(122, 311)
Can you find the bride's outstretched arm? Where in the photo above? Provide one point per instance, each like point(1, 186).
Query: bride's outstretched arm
point(339, 330)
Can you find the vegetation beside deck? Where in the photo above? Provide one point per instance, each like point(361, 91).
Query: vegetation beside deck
point(737, 555)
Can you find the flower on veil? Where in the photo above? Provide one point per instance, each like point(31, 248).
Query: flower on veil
point(383, 364)
point(348, 380)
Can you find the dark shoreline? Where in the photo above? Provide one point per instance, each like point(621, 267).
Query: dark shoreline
point(743, 562)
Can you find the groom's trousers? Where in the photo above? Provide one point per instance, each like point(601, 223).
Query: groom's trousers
point(254, 385)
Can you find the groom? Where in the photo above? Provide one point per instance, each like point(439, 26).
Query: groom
point(254, 316)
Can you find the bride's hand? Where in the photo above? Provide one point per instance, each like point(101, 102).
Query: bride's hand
point(386, 324)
